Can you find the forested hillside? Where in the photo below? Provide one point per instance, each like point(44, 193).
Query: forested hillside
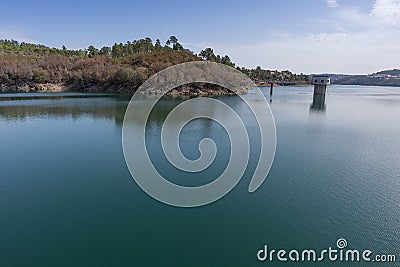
point(120, 68)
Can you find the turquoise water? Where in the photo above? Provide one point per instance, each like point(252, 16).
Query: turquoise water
point(67, 198)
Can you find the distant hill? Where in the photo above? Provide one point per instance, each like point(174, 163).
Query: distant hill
point(382, 78)
point(394, 72)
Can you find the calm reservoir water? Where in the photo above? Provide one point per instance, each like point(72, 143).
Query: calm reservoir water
point(67, 198)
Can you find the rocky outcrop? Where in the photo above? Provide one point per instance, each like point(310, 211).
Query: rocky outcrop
point(195, 89)
point(32, 87)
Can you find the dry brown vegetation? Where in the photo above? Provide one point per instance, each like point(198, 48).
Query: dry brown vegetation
point(120, 68)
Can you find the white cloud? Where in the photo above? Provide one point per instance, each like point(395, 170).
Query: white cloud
point(331, 3)
point(387, 11)
point(350, 16)
point(363, 52)
point(351, 41)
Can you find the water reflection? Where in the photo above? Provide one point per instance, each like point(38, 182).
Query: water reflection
point(102, 106)
point(332, 176)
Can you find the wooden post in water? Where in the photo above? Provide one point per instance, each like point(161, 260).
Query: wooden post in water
point(271, 90)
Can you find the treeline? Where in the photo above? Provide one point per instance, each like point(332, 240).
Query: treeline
point(117, 50)
point(121, 67)
point(260, 75)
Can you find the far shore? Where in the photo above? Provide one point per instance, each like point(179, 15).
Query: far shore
point(282, 84)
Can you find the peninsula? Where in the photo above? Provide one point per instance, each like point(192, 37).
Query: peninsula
point(26, 67)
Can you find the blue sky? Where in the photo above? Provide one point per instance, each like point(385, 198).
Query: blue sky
point(303, 36)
